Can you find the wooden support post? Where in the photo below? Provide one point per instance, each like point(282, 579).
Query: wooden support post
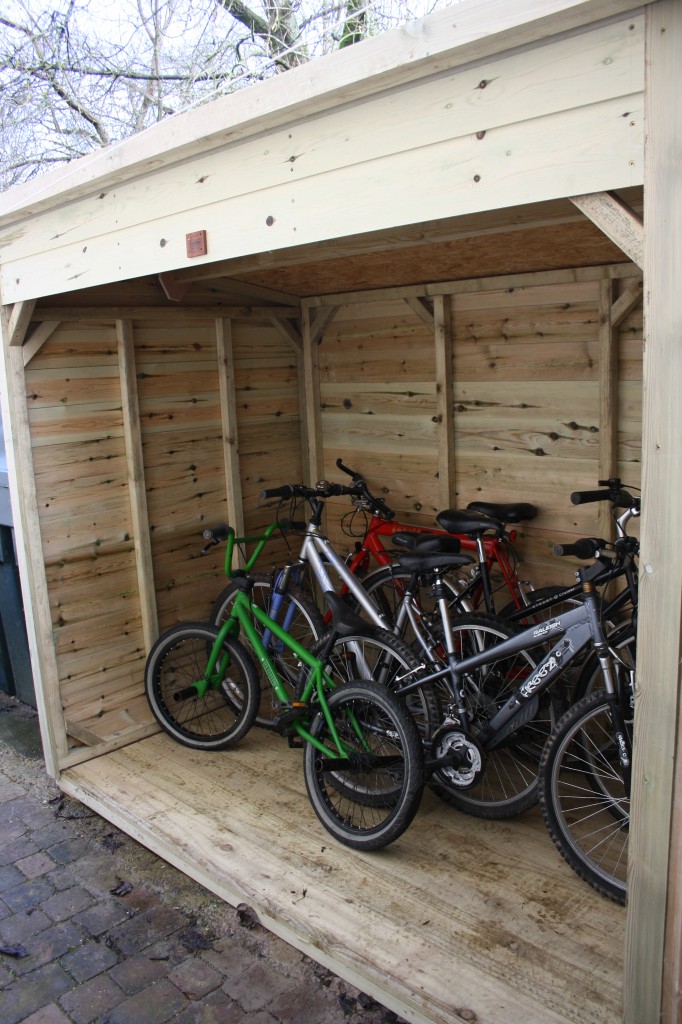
point(608, 402)
point(653, 983)
point(314, 468)
point(228, 407)
point(136, 481)
point(444, 400)
point(29, 547)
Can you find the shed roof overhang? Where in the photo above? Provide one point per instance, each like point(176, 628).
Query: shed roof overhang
point(482, 106)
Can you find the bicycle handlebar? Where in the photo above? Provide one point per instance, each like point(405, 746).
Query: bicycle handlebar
point(378, 506)
point(614, 493)
point(585, 547)
point(322, 489)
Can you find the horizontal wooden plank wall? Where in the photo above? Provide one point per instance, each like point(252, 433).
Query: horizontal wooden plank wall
point(86, 491)
point(526, 402)
point(525, 371)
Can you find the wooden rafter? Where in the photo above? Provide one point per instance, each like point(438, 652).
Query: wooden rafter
point(19, 319)
point(617, 220)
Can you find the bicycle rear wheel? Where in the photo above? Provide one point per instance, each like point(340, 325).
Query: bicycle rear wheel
point(381, 656)
point(227, 710)
point(295, 612)
point(584, 795)
point(368, 800)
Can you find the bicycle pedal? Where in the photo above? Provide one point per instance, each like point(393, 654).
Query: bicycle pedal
point(295, 742)
point(283, 722)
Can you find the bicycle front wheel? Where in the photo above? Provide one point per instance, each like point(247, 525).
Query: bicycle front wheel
point(367, 798)
point(584, 795)
point(227, 710)
point(295, 612)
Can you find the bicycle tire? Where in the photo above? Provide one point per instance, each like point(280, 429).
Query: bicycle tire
point(382, 656)
point(307, 626)
point(225, 713)
point(588, 822)
point(534, 598)
point(376, 812)
point(508, 784)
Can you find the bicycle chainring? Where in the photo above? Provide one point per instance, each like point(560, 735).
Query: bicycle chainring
point(465, 753)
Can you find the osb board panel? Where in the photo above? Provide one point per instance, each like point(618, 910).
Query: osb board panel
point(81, 479)
point(459, 913)
point(487, 255)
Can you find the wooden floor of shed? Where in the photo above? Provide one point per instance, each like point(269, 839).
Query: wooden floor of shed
point(457, 914)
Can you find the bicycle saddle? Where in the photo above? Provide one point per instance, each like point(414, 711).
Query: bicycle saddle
point(514, 513)
point(472, 523)
point(345, 621)
point(415, 561)
point(413, 541)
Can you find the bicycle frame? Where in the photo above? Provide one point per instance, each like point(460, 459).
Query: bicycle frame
point(489, 550)
point(240, 619)
point(576, 629)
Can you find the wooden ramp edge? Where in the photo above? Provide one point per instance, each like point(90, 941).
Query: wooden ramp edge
point(458, 914)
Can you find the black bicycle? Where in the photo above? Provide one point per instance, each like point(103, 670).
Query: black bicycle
point(581, 772)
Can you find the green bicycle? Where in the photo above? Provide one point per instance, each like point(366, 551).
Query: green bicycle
point(363, 758)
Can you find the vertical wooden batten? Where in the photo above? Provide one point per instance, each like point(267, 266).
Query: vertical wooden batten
point(442, 311)
point(136, 479)
point(608, 399)
point(228, 406)
point(654, 924)
point(30, 550)
point(314, 466)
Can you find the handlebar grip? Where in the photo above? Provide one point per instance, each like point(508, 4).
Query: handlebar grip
point(286, 491)
point(586, 547)
point(583, 497)
point(345, 469)
point(218, 533)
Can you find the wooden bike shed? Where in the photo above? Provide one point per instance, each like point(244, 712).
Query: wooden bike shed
point(425, 253)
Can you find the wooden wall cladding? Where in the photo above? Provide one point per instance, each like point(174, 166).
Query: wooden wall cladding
point(526, 405)
point(217, 411)
point(181, 430)
point(268, 409)
point(79, 458)
point(84, 488)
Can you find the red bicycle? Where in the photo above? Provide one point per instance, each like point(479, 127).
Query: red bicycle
point(481, 528)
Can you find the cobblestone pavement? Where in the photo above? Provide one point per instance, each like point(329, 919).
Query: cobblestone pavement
point(95, 928)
